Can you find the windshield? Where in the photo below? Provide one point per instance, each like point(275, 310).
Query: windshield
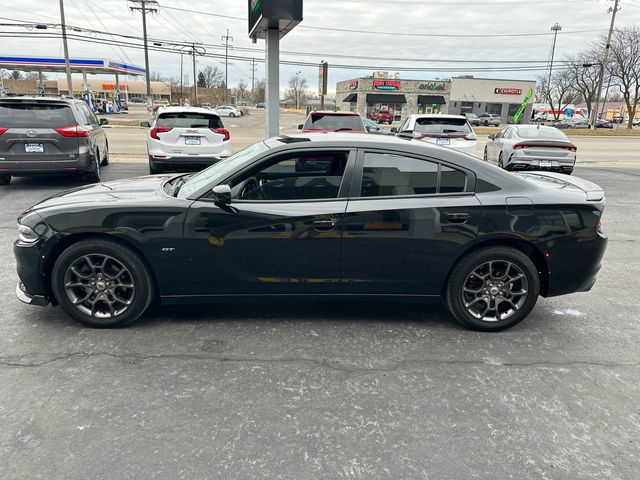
point(189, 120)
point(321, 121)
point(442, 125)
point(551, 133)
point(219, 170)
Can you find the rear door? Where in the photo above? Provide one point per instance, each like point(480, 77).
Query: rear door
point(37, 131)
point(191, 133)
point(407, 221)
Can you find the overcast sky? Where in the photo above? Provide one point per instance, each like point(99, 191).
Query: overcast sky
point(397, 20)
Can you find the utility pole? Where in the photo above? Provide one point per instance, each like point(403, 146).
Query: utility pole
point(145, 6)
point(253, 80)
point(181, 96)
point(605, 59)
point(67, 65)
point(195, 77)
point(226, 39)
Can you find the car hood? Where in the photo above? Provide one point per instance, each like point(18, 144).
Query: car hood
point(138, 189)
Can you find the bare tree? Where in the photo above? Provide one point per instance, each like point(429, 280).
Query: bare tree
point(213, 76)
point(584, 70)
point(624, 67)
point(560, 93)
point(297, 90)
point(259, 91)
point(35, 76)
point(241, 90)
point(157, 77)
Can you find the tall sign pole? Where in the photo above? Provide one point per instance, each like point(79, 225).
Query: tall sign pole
point(271, 20)
point(67, 65)
point(603, 67)
point(322, 82)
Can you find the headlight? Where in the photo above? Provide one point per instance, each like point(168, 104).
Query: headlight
point(26, 234)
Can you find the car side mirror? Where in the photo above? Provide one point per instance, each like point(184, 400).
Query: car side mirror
point(300, 127)
point(145, 124)
point(492, 137)
point(222, 194)
point(394, 130)
point(103, 121)
point(368, 128)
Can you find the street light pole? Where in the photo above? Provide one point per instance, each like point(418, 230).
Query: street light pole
point(605, 59)
point(555, 29)
point(67, 65)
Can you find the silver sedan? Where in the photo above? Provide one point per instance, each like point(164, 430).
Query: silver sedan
point(531, 147)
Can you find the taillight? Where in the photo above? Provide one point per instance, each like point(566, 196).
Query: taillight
point(2, 130)
point(572, 148)
point(156, 130)
point(471, 136)
point(222, 131)
point(73, 131)
point(519, 146)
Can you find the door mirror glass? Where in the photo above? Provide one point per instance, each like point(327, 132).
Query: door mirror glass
point(300, 127)
point(394, 130)
point(145, 124)
point(222, 194)
point(368, 128)
point(103, 121)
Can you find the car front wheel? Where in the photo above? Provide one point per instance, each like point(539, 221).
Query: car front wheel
point(101, 283)
point(5, 179)
point(492, 289)
point(232, 114)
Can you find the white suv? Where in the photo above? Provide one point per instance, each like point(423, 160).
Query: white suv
point(186, 138)
point(451, 131)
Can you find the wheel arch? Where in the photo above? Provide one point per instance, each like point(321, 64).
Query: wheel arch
point(521, 245)
point(69, 240)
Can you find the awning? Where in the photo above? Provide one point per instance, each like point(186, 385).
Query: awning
point(385, 98)
point(352, 97)
point(431, 100)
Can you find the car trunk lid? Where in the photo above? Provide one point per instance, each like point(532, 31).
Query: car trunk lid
point(559, 181)
point(190, 133)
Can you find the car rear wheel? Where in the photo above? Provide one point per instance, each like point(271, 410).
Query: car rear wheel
point(500, 162)
point(5, 179)
point(486, 155)
point(105, 159)
point(101, 283)
point(492, 289)
point(94, 176)
point(231, 114)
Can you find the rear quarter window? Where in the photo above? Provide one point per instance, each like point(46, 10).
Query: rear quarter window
point(35, 115)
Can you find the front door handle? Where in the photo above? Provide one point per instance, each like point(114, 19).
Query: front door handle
point(457, 217)
point(325, 225)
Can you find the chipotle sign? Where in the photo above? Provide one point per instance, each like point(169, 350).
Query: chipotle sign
point(508, 91)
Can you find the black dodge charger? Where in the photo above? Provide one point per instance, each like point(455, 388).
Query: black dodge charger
point(319, 216)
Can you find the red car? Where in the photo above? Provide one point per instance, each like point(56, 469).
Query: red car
point(373, 116)
point(333, 122)
point(384, 116)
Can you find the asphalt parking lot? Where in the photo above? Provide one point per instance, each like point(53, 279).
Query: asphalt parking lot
point(311, 391)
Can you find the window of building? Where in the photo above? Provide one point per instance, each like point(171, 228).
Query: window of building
point(466, 107)
point(494, 108)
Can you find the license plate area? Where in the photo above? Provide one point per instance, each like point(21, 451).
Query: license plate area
point(442, 141)
point(545, 163)
point(192, 140)
point(34, 148)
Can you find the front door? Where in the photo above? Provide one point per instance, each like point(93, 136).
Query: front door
point(413, 218)
point(281, 233)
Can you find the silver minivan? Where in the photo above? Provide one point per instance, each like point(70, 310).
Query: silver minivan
point(43, 135)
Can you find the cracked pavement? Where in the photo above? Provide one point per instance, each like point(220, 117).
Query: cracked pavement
point(326, 391)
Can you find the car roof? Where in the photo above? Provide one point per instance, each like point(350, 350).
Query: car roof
point(437, 115)
point(331, 112)
point(32, 98)
point(178, 109)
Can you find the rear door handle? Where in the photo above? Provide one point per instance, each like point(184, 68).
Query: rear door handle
point(457, 217)
point(325, 225)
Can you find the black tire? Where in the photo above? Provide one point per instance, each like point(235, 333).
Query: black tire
point(105, 160)
point(94, 176)
point(5, 179)
point(232, 115)
point(500, 164)
point(137, 273)
point(464, 271)
point(486, 123)
point(153, 169)
point(486, 155)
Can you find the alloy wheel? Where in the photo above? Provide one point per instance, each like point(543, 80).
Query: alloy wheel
point(495, 290)
point(99, 285)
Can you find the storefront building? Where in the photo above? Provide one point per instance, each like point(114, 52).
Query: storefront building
point(104, 89)
point(402, 97)
point(495, 96)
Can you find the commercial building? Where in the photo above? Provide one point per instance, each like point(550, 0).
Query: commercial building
point(488, 95)
point(457, 95)
point(104, 88)
point(402, 97)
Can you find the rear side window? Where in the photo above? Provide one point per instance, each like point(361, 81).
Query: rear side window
point(319, 121)
point(387, 175)
point(442, 125)
point(35, 115)
point(189, 120)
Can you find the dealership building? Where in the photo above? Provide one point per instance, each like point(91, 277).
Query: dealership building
point(457, 95)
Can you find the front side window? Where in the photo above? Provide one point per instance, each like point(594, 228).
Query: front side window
point(387, 175)
point(300, 176)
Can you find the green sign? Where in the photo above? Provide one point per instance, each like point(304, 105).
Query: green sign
point(527, 97)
